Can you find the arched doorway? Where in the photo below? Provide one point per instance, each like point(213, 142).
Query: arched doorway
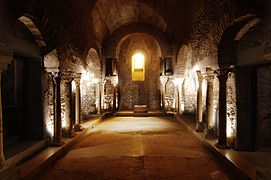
point(22, 86)
point(237, 88)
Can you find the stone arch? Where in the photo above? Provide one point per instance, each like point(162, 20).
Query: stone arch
point(33, 29)
point(90, 84)
point(110, 46)
point(236, 87)
point(231, 36)
point(94, 63)
point(131, 35)
point(183, 60)
point(133, 92)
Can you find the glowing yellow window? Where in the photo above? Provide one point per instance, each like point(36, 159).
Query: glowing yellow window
point(138, 67)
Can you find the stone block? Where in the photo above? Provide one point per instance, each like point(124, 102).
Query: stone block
point(140, 109)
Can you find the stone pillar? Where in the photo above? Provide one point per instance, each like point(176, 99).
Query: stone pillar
point(3, 66)
point(67, 97)
point(6, 57)
point(114, 97)
point(181, 98)
point(99, 110)
point(199, 123)
point(102, 93)
point(177, 98)
point(51, 64)
point(210, 128)
point(163, 81)
point(222, 133)
point(114, 81)
point(57, 139)
point(2, 156)
point(77, 80)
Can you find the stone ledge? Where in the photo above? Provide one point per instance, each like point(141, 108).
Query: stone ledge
point(140, 109)
point(50, 155)
point(240, 165)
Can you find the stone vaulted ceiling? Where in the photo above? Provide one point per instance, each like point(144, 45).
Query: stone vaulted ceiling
point(171, 16)
point(89, 23)
point(109, 15)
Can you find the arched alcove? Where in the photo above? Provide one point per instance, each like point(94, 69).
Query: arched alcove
point(90, 84)
point(237, 88)
point(182, 61)
point(139, 92)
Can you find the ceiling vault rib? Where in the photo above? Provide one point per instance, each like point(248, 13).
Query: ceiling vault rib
point(103, 20)
point(118, 9)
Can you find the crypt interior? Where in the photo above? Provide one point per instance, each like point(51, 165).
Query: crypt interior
point(77, 70)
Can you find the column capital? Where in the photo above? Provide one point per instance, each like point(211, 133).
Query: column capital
point(54, 74)
point(163, 80)
point(200, 76)
point(114, 80)
point(3, 67)
point(67, 76)
point(77, 79)
point(52, 70)
point(210, 75)
point(223, 71)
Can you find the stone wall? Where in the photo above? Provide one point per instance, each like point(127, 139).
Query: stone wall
point(139, 92)
point(201, 50)
point(90, 80)
point(263, 122)
point(170, 95)
point(89, 96)
point(254, 49)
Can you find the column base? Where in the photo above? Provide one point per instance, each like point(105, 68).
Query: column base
point(200, 127)
point(210, 134)
point(67, 134)
point(221, 146)
point(2, 162)
point(78, 127)
point(57, 144)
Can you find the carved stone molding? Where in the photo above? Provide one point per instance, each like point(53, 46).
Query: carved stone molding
point(210, 75)
point(67, 76)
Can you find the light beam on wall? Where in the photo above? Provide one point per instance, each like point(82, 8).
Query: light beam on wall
point(138, 60)
point(138, 67)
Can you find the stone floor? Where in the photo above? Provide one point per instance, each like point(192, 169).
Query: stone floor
point(138, 148)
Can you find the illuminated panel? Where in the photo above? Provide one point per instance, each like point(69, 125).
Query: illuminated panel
point(138, 67)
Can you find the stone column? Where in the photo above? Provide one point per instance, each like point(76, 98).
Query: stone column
point(222, 136)
point(177, 98)
point(57, 139)
point(102, 93)
point(99, 110)
point(163, 81)
point(181, 98)
point(210, 104)
point(114, 81)
point(199, 123)
point(114, 97)
point(67, 97)
point(77, 80)
point(2, 156)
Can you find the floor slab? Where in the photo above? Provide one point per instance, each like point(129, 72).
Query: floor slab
point(139, 148)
